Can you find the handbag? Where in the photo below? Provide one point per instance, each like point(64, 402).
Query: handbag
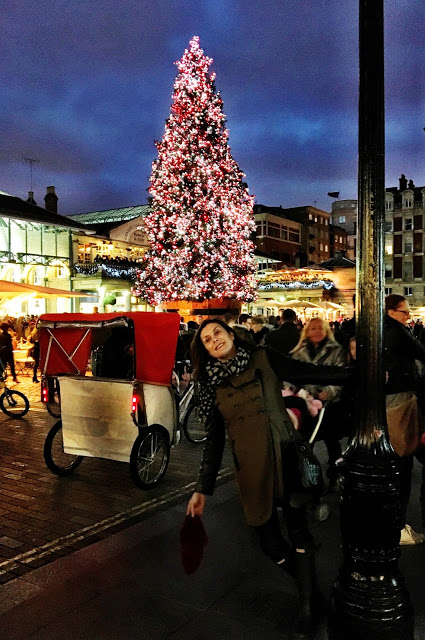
point(302, 470)
point(405, 426)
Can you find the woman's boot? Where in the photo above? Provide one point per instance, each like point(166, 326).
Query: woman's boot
point(305, 577)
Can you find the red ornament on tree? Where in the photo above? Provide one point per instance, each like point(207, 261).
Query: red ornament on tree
point(201, 218)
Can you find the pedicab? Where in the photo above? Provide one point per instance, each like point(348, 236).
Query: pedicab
point(112, 373)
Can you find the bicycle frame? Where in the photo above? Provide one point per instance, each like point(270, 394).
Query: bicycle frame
point(186, 399)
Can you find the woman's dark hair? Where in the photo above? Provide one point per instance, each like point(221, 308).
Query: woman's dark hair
point(199, 356)
point(393, 301)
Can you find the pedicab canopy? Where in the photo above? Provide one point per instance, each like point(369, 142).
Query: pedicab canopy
point(66, 342)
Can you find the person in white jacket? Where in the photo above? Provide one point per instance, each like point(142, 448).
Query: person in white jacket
point(318, 346)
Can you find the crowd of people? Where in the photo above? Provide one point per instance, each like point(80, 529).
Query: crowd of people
point(253, 373)
point(18, 333)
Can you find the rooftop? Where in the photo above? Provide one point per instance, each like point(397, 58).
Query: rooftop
point(111, 215)
point(16, 208)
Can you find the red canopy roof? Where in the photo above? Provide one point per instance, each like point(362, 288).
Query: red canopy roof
point(155, 337)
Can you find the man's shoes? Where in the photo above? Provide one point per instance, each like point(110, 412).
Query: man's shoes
point(408, 536)
point(15, 380)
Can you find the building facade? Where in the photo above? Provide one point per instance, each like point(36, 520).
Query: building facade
point(277, 236)
point(315, 240)
point(36, 248)
point(404, 241)
point(344, 215)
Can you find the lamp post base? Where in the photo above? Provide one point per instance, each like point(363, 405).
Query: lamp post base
point(369, 599)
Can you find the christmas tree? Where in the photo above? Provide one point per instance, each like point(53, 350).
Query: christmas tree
point(201, 217)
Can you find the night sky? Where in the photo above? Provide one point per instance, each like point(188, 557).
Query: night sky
point(85, 88)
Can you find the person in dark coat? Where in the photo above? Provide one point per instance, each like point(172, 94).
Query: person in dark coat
point(6, 349)
point(259, 329)
point(286, 337)
point(402, 350)
point(240, 391)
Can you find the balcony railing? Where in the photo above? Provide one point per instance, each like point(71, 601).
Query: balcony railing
point(123, 269)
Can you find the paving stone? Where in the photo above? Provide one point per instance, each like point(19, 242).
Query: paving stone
point(9, 542)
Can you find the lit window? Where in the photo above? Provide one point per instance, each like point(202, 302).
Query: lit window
point(341, 219)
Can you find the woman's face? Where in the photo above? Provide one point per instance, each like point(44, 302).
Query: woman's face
point(218, 342)
point(402, 313)
point(316, 332)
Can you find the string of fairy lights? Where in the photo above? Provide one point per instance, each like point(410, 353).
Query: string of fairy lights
point(201, 218)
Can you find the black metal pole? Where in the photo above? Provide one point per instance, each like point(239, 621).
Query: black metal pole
point(369, 598)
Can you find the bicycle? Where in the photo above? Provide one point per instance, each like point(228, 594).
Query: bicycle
point(191, 421)
point(12, 402)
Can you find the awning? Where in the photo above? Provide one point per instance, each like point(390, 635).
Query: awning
point(13, 289)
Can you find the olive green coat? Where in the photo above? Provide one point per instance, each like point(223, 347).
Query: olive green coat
point(251, 408)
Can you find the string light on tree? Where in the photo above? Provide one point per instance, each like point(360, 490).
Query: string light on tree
point(201, 218)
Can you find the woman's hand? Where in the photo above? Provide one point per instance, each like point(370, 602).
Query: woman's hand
point(196, 505)
point(323, 395)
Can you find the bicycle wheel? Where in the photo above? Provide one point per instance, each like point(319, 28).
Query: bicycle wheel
point(54, 405)
point(14, 403)
point(150, 456)
point(194, 425)
point(55, 458)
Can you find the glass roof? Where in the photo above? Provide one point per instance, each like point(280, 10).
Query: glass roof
point(112, 215)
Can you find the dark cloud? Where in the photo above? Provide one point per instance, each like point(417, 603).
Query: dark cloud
point(86, 88)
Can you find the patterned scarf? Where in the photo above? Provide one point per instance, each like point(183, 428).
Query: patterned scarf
point(215, 373)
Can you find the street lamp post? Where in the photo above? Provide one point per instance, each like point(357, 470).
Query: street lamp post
point(369, 598)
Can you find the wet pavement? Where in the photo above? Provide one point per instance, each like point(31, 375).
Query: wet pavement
point(93, 557)
point(43, 516)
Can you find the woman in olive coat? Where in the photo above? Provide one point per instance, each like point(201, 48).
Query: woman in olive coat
point(240, 390)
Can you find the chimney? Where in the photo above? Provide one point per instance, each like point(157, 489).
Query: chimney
point(30, 198)
point(411, 185)
point(403, 182)
point(51, 200)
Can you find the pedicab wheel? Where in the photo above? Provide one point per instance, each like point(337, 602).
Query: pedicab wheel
point(54, 405)
point(150, 456)
point(194, 425)
point(14, 404)
point(55, 458)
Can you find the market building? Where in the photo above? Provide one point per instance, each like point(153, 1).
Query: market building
point(104, 263)
point(36, 249)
